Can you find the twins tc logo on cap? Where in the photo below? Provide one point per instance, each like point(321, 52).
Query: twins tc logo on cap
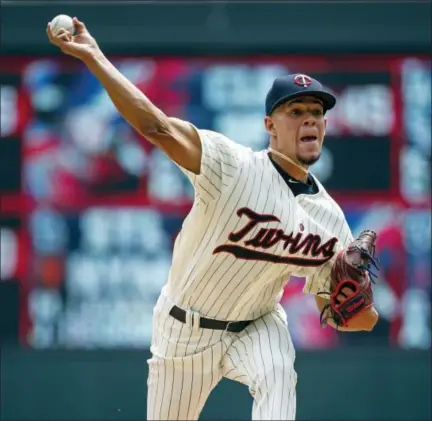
point(303, 80)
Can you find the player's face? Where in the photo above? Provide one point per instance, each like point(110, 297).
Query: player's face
point(298, 128)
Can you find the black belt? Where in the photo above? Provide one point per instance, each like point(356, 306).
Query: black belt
point(236, 327)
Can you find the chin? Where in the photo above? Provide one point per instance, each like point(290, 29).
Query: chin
point(309, 160)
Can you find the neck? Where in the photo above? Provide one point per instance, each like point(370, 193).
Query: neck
point(294, 169)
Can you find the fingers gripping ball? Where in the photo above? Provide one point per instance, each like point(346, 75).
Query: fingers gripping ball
point(351, 281)
point(62, 22)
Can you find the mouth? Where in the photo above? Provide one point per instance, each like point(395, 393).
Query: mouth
point(307, 139)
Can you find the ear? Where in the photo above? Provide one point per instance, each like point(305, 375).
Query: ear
point(325, 126)
point(270, 126)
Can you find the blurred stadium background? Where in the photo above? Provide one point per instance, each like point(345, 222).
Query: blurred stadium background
point(89, 215)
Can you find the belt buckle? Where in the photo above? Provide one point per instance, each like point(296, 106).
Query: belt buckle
point(195, 320)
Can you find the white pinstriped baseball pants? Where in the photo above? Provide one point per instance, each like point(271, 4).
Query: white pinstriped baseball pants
point(187, 363)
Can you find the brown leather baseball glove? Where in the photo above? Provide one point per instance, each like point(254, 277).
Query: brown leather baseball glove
point(351, 270)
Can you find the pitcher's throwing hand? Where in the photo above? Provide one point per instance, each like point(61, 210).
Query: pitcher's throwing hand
point(81, 45)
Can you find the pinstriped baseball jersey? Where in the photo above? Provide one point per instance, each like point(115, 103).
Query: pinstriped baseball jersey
point(247, 233)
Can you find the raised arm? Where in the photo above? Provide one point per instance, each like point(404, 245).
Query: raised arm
point(177, 138)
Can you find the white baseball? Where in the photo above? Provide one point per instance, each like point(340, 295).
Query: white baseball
point(62, 22)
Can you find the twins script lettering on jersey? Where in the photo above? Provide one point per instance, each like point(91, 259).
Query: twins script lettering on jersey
point(265, 238)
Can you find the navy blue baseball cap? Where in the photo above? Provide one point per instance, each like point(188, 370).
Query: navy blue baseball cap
point(287, 87)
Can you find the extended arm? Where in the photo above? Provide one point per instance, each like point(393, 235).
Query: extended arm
point(178, 139)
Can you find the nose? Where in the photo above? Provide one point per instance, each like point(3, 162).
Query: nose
point(310, 121)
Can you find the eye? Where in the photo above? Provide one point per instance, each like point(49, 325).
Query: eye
point(317, 112)
point(296, 112)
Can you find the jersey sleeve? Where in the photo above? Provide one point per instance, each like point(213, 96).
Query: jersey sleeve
point(221, 160)
point(319, 281)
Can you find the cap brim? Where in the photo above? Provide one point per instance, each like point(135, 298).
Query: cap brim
point(329, 101)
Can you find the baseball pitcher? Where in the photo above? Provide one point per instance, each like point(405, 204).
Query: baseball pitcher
point(257, 218)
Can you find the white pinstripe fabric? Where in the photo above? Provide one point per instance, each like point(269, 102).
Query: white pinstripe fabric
point(187, 362)
point(219, 285)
